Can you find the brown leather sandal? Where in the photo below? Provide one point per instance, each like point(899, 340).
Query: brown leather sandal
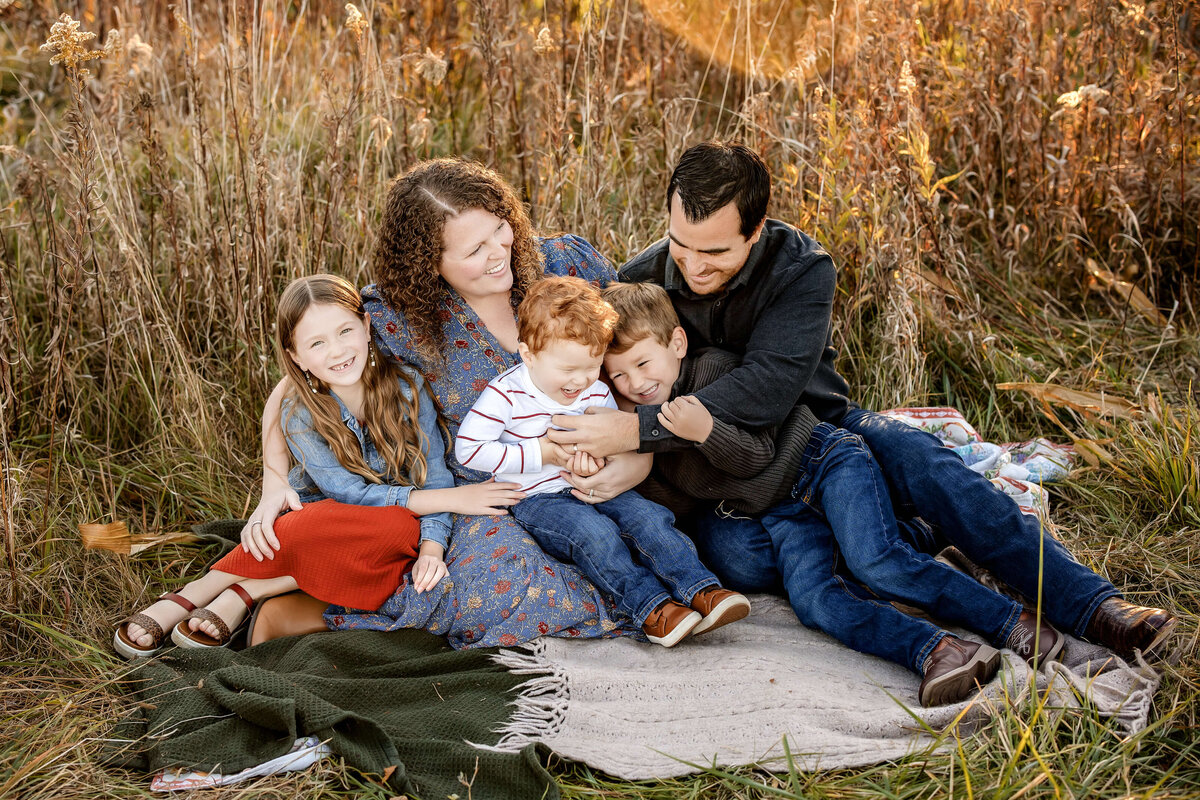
point(184, 636)
point(127, 648)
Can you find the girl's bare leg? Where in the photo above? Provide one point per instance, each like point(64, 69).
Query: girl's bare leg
point(200, 592)
point(229, 606)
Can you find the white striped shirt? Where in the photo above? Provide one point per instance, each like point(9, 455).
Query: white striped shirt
point(500, 433)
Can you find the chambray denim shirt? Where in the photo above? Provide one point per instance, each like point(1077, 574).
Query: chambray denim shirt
point(318, 475)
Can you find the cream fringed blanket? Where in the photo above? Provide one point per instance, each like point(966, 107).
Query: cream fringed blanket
point(730, 697)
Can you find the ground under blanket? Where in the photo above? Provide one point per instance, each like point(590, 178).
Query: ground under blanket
point(732, 696)
point(399, 706)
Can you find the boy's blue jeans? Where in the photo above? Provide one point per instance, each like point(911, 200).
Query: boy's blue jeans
point(927, 480)
point(628, 546)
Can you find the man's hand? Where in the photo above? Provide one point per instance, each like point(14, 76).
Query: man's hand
point(600, 432)
point(258, 536)
point(687, 418)
point(429, 568)
point(620, 473)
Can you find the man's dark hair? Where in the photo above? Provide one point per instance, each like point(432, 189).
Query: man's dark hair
point(711, 175)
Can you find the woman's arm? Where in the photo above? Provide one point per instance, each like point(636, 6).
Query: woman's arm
point(258, 537)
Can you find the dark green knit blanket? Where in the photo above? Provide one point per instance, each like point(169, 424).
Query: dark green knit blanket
point(399, 706)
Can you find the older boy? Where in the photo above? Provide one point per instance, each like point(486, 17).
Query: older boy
point(818, 494)
point(627, 546)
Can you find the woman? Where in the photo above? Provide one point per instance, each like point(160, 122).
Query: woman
point(455, 254)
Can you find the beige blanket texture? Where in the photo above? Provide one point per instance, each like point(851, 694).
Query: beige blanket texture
point(731, 697)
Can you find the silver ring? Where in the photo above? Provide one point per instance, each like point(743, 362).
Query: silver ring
point(576, 447)
point(591, 493)
point(255, 522)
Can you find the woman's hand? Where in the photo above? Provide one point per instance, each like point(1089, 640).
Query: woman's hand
point(687, 418)
point(621, 473)
point(258, 536)
point(429, 568)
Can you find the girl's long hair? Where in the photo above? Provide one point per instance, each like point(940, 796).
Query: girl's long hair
point(408, 252)
point(390, 416)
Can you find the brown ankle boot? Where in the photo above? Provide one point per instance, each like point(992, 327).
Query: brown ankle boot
point(718, 607)
point(1125, 627)
point(955, 669)
point(1034, 642)
point(288, 614)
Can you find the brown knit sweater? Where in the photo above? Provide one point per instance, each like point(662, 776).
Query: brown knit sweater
point(747, 471)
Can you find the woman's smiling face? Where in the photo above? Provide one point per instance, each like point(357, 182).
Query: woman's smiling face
point(476, 261)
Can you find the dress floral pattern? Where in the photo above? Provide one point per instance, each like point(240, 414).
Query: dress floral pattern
point(502, 589)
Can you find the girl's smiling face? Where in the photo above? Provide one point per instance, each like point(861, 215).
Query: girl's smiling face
point(332, 342)
point(477, 255)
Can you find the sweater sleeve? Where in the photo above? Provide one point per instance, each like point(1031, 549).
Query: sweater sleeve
point(782, 353)
point(478, 444)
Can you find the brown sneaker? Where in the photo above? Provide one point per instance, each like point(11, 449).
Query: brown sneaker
point(954, 669)
point(1124, 627)
point(670, 623)
point(1037, 644)
point(719, 607)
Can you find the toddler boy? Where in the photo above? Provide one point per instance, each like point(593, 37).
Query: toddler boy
point(628, 546)
point(820, 495)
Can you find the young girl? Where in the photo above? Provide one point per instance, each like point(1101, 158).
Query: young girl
point(365, 434)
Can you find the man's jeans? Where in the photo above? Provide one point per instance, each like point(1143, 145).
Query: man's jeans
point(927, 480)
point(627, 546)
point(841, 482)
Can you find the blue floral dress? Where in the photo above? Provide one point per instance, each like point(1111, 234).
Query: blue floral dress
point(502, 589)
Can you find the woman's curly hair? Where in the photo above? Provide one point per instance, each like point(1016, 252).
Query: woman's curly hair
point(408, 252)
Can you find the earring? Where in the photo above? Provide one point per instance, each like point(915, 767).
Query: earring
point(308, 378)
point(371, 350)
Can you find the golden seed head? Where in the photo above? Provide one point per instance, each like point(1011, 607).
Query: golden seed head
point(432, 67)
point(908, 83)
point(544, 43)
point(355, 21)
point(67, 41)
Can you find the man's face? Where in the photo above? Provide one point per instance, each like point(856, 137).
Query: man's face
point(710, 252)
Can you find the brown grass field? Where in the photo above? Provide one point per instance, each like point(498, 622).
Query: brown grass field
point(1011, 191)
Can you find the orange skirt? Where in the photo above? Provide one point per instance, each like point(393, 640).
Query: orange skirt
point(351, 556)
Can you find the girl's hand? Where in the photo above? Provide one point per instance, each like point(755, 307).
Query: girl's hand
point(687, 418)
point(485, 499)
point(429, 567)
point(258, 536)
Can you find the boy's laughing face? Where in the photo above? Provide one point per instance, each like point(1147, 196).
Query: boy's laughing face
point(645, 373)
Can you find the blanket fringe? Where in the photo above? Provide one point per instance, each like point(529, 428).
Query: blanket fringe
point(541, 704)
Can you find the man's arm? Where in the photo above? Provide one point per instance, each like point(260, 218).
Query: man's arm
point(782, 354)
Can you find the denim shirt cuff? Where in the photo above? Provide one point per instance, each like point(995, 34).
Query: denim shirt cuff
point(433, 530)
point(398, 496)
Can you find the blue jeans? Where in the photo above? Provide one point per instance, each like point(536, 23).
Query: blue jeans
point(840, 482)
point(796, 556)
point(928, 480)
point(627, 546)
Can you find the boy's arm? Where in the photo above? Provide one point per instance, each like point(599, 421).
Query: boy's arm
point(478, 444)
point(730, 449)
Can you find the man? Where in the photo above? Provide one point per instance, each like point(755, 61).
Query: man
point(763, 290)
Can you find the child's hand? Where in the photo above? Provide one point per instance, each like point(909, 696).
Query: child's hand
point(687, 418)
point(584, 465)
point(429, 567)
point(555, 455)
point(485, 499)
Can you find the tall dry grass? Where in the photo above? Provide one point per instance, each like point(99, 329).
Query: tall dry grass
point(962, 160)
